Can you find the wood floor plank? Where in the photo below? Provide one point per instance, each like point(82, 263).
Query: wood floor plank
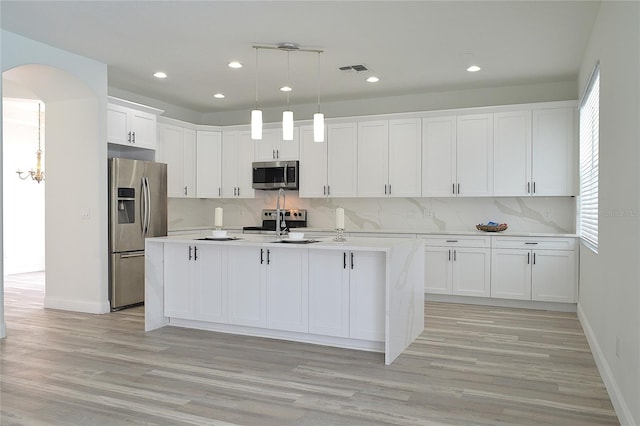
point(473, 365)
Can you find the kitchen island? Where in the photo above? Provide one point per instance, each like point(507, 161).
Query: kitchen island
point(364, 293)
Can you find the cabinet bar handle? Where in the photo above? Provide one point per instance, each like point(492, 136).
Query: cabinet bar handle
point(238, 191)
point(324, 189)
point(261, 256)
point(452, 241)
point(389, 189)
point(449, 255)
point(385, 189)
point(129, 137)
point(454, 255)
point(273, 154)
point(328, 190)
point(134, 137)
point(534, 258)
point(268, 257)
point(458, 189)
point(195, 252)
point(185, 190)
point(190, 253)
point(219, 192)
point(528, 187)
point(453, 188)
point(528, 255)
point(277, 153)
point(344, 260)
point(351, 260)
point(534, 187)
point(533, 244)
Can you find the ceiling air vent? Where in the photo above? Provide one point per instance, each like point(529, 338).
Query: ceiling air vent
point(357, 68)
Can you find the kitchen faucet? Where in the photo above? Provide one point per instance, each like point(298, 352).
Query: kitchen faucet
point(280, 225)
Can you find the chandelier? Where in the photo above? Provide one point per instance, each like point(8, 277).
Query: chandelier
point(38, 174)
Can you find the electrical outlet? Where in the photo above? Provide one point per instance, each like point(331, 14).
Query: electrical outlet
point(85, 214)
point(427, 213)
point(547, 215)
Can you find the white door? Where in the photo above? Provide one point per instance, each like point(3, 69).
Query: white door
point(208, 164)
point(117, 125)
point(437, 270)
point(373, 158)
point(288, 289)
point(178, 281)
point(210, 283)
point(405, 158)
point(512, 153)
point(189, 162)
point(367, 295)
point(328, 293)
point(474, 155)
point(342, 160)
point(438, 157)
point(247, 286)
point(313, 165)
point(554, 167)
point(511, 274)
point(230, 161)
point(472, 272)
point(173, 155)
point(143, 129)
point(553, 276)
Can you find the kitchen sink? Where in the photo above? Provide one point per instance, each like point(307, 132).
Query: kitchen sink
point(292, 241)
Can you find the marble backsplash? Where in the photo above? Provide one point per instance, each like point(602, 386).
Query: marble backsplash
point(527, 214)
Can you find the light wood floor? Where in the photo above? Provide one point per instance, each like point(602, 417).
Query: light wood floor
point(472, 365)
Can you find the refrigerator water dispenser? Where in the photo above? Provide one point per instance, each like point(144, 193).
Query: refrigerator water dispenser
point(126, 205)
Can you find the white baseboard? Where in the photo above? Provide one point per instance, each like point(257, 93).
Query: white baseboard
point(503, 303)
point(86, 306)
point(619, 405)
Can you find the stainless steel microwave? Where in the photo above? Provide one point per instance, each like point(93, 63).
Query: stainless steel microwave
point(275, 175)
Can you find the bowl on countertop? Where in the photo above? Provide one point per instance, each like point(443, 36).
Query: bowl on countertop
point(296, 235)
point(219, 233)
point(492, 228)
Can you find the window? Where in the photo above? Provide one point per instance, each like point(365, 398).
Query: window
point(589, 144)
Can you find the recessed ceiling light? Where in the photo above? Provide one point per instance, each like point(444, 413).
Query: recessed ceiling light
point(474, 68)
point(285, 89)
point(160, 74)
point(372, 79)
point(235, 64)
point(218, 95)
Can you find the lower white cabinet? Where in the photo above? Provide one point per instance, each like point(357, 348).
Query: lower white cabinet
point(247, 286)
point(458, 265)
point(534, 269)
point(195, 285)
point(347, 294)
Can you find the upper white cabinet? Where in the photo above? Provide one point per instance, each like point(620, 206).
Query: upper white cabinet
point(554, 168)
point(208, 164)
point(389, 158)
point(237, 158)
point(178, 150)
point(457, 156)
point(313, 165)
point(534, 152)
point(273, 147)
point(131, 127)
point(342, 160)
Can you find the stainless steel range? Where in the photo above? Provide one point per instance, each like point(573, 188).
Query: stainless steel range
point(294, 218)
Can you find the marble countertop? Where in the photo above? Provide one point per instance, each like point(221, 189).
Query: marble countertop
point(324, 243)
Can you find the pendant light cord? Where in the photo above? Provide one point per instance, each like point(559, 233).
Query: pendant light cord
point(289, 85)
point(318, 81)
point(256, 78)
point(39, 130)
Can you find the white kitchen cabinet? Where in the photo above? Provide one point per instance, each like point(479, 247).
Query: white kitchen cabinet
point(347, 294)
point(439, 156)
point(534, 269)
point(554, 146)
point(389, 158)
point(237, 158)
point(534, 152)
point(457, 265)
point(178, 150)
point(196, 287)
point(131, 127)
point(287, 285)
point(272, 147)
point(474, 155)
point(342, 160)
point(208, 164)
point(247, 286)
point(313, 165)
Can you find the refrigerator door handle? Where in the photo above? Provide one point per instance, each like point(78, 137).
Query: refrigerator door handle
point(129, 255)
point(146, 179)
point(143, 208)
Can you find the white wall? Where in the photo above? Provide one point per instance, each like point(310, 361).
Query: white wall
point(609, 303)
point(24, 206)
point(74, 90)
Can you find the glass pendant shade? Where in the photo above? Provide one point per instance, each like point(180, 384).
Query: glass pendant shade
point(256, 124)
point(318, 127)
point(287, 125)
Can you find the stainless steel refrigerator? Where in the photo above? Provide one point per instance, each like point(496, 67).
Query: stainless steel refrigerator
point(137, 210)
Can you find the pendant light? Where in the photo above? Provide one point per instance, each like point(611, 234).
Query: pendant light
point(287, 116)
point(318, 117)
point(256, 114)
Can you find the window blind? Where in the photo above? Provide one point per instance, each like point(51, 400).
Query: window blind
point(589, 148)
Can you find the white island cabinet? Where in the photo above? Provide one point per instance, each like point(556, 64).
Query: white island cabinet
point(366, 293)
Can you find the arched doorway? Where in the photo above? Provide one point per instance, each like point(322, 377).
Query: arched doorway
point(75, 191)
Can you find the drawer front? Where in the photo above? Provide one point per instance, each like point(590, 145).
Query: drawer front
point(456, 241)
point(541, 243)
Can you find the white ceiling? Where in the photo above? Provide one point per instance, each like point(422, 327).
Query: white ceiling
point(414, 46)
